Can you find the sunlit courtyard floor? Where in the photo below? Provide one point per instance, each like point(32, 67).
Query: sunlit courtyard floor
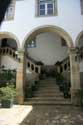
point(14, 115)
point(41, 115)
point(54, 115)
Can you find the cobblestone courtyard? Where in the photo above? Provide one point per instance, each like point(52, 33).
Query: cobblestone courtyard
point(54, 115)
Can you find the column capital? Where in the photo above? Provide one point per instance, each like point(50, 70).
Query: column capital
point(21, 50)
point(21, 54)
point(72, 50)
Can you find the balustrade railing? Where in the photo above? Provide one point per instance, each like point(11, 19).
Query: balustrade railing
point(63, 65)
point(80, 54)
point(8, 51)
point(33, 65)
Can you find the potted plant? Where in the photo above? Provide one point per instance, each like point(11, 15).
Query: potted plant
point(35, 85)
point(66, 90)
point(7, 95)
point(28, 91)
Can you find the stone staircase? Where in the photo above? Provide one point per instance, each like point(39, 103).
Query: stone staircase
point(32, 65)
point(48, 93)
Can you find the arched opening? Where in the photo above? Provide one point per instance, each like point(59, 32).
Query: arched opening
point(46, 50)
point(79, 46)
point(8, 58)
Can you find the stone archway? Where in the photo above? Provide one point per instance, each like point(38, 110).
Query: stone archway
point(10, 35)
point(78, 37)
point(49, 28)
point(9, 38)
point(79, 46)
point(75, 86)
point(8, 56)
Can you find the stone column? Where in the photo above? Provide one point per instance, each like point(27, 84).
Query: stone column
point(75, 76)
point(20, 79)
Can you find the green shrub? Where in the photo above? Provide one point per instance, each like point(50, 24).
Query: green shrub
point(7, 92)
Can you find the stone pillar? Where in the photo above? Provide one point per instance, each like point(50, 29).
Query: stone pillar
point(75, 76)
point(20, 78)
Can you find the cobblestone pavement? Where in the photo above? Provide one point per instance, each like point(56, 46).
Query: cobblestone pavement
point(54, 115)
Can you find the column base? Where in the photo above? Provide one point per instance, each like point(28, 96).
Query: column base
point(75, 98)
point(20, 99)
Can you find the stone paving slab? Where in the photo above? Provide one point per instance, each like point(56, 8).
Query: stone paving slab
point(14, 115)
point(54, 115)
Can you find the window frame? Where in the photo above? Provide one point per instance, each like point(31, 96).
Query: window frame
point(63, 42)
point(81, 6)
point(9, 15)
point(33, 42)
point(55, 12)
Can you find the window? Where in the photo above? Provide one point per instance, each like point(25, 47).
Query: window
point(10, 11)
point(46, 7)
point(63, 42)
point(32, 44)
point(81, 2)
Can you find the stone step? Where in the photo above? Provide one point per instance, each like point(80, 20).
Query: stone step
point(47, 91)
point(50, 78)
point(48, 86)
point(48, 94)
point(54, 82)
point(59, 102)
point(47, 99)
point(47, 80)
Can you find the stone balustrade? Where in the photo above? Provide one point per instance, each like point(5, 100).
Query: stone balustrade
point(8, 51)
point(63, 65)
point(33, 66)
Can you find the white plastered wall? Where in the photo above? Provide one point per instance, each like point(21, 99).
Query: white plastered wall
point(68, 18)
point(8, 62)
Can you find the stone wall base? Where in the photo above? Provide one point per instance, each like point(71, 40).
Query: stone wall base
point(20, 99)
point(75, 98)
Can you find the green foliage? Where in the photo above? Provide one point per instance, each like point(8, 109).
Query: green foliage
point(7, 92)
point(28, 92)
point(64, 85)
point(35, 85)
point(7, 75)
point(59, 78)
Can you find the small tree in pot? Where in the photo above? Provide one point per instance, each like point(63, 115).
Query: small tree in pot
point(7, 95)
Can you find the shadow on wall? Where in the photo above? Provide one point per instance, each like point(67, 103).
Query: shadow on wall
point(81, 79)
